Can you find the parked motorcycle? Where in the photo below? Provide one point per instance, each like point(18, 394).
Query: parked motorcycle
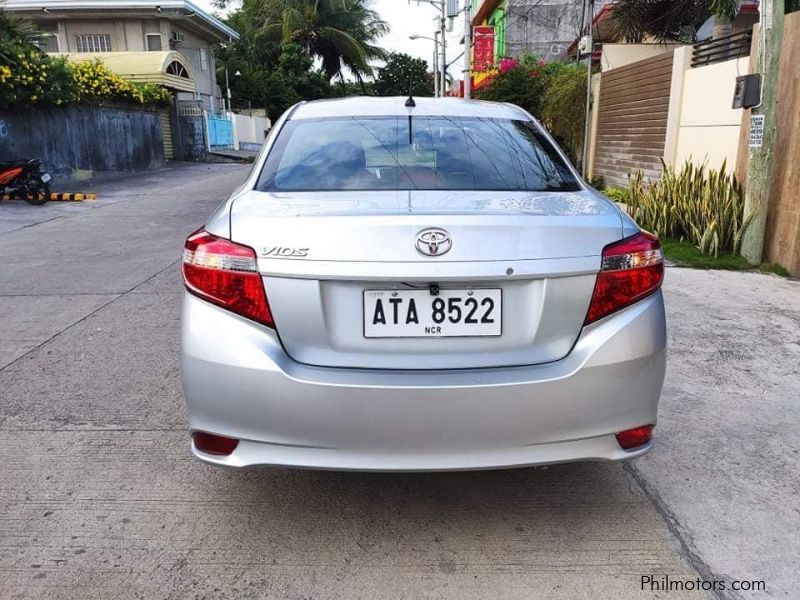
point(25, 178)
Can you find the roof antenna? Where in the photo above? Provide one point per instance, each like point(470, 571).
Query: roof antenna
point(410, 102)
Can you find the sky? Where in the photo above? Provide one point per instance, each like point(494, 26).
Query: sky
point(408, 18)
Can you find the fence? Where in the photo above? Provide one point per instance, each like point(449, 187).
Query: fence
point(721, 49)
point(189, 127)
point(632, 119)
point(220, 131)
point(84, 142)
point(250, 130)
point(677, 107)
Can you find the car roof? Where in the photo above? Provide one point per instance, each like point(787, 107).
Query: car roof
point(364, 106)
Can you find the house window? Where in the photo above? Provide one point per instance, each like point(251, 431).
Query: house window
point(48, 43)
point(203, 59)
point(93, 42)
point(177, 69)
point(154, 42)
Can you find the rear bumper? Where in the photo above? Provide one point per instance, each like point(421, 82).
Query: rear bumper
point(238, 382)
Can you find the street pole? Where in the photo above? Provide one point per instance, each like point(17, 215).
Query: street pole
point(228, 88)
point(468, 49)
point(444, 47)
point(588, 121)
point(759, 168)
point(436, 64)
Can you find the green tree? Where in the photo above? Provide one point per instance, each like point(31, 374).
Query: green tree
point(564, 107)
point(291, 81)
point(400, 69)
point(341, 33)
point(554, 92)
point(274, 70)
point(15, 33)
point(669, 20)
point(523, 84)
point(28, 76)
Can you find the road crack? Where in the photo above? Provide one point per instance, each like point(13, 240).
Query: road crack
point(684, 538)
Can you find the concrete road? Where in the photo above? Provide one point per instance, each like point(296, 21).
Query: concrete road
point(99, 497)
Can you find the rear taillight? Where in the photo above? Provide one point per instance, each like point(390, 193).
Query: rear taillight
point(633, 438)
point(218, 445)
point(632, 269)
point(226, 274)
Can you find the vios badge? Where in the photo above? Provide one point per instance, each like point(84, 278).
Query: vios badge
point(433, 242)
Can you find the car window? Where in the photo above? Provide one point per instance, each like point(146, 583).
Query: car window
point(408, 153)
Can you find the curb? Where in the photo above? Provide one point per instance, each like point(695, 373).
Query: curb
point(57, 197)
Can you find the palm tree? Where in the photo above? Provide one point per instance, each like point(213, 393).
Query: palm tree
point(15, 31)
point(670, 20)
point(339, 32)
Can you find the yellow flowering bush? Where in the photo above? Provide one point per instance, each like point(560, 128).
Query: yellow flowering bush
point(36, 79)
point(28, 80)
point(96, 82)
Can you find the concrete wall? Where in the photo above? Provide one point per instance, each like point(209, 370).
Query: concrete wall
point(250, 129)
point(80, 143)
point(545, 29)
point(709, 128)
point(189, 131)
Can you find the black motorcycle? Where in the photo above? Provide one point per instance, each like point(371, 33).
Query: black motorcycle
point(25, 178)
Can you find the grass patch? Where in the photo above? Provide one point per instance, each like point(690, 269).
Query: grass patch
point(686, 254)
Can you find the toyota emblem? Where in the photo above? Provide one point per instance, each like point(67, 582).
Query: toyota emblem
point(433, 242)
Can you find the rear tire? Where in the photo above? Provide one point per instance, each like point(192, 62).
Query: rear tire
point(38, 197)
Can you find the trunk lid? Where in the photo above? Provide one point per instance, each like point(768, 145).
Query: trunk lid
point(320, 251)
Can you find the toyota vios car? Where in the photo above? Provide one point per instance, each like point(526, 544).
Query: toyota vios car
point(419, 285)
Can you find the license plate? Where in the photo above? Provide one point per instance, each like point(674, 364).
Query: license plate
point(418, 313)
point(46, 177)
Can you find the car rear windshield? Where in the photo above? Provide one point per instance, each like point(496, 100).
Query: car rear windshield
point(413, 153)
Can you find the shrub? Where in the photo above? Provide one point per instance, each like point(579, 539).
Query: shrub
point(31, 80)
point(621, 195)
point(520, 82)
point(702, 205)
point(553, 92)
point(564, 107)
point(598, 182)
point(95, 82)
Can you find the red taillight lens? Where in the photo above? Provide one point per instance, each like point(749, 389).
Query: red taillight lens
point(632, 269)
point(633, 438)
point(217, 445)
point(226, 274)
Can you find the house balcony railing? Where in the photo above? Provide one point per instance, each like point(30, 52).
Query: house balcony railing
point(721, 49)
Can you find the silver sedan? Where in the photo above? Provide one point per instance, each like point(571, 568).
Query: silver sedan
point(415, 286)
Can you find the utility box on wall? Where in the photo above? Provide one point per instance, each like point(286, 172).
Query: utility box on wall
point(748, 91)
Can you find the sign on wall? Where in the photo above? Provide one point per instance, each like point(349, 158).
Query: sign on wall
point(483, 49)
point(757, 131)
point(765, 7)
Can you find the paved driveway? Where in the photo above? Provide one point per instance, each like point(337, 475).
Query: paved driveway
point(100, 499)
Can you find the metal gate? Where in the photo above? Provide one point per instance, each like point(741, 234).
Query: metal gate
point(632, 119)
point(220, 131)
point(165, 118)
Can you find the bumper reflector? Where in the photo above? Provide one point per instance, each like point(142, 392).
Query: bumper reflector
point(214, 444)
point(633, 438)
